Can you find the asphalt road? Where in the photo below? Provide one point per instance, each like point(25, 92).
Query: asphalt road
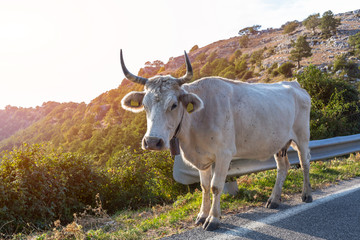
point(334, 214)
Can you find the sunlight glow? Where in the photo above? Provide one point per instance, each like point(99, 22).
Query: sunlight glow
point(69, 50)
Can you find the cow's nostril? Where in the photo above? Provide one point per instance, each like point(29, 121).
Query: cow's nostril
point(160, 143)
point(153, 143)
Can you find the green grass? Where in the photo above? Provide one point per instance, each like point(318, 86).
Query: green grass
point(160, 221)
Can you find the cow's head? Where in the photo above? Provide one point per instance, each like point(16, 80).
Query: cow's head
point(165, 103)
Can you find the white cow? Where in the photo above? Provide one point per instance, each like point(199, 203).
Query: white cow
point(216, 119)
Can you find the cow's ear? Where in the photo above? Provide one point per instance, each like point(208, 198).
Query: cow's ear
point(133, 101)
point(191, 102)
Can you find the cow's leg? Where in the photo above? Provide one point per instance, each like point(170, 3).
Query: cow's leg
point(283, 165)
point(217, 184)
point(304, 157)
point(205, 178)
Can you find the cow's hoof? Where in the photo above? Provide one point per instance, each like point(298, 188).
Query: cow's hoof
point(306, 198)
point(270, 204)
point(211, 224)
point(200, 220)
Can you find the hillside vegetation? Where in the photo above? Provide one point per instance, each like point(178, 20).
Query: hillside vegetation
point(56, 158)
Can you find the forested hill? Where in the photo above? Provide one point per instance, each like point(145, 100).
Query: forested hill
point(102, 127)
point(13, 119)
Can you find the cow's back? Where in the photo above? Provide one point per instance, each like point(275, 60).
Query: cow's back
point(251, 120)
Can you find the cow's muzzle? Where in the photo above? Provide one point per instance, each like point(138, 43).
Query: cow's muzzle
point(153, 143)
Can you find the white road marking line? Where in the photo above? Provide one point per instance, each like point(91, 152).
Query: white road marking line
point(253, 225)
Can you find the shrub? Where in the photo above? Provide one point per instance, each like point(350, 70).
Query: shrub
point(286, 69)
point(228, 72)
point(275, 73)
point(349, 67)
point(39, 185)
point(334, 104)
point(235, 55)
point(312, 21)
point(194, 48)
point(206, 70)
point(212, 57)
point(354, 42)
point(244, 41)
point(139, 179)
point(247, 75)
point(257, 57)
point(240, 65)
point(201, 57)
point(218, 65)
point(272, 68)
point(290, 26)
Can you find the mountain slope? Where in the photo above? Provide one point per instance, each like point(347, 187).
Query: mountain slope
point(98, 127)
point(102, 127)
point(278, 45)
point(14, 119)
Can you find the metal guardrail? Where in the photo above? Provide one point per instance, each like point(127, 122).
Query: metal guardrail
point(319, 150)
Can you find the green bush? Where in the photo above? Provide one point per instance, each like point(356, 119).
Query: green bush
point(275, 73)
point(256, 57)
point(244, 41)
point(290, 26)
point(354, 42)
point(286, 69)
point(240, 65)
point(39, 185)
point(272, 68)
point(235, 55)
point(139, 179)
point(348, 67)
point(334, 104)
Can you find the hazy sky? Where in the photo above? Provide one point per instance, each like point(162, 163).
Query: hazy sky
point(69, 50)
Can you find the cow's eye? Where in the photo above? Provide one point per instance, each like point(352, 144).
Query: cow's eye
point(173, 106)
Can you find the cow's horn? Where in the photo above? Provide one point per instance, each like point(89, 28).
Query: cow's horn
point(189, 72)
point(129, 75)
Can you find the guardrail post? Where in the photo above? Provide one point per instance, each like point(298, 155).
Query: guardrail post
point(231, 188)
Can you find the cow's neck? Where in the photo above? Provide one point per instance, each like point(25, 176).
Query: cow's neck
point(184, 130)
point(192, 152)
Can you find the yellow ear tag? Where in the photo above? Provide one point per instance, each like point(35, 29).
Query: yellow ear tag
point(134, 103)
point(190, 108)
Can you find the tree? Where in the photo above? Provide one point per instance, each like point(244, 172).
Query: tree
point(244, 41)
point(328, 24)
point(196, 47)
point(312, 21)
point(249, 30)
point(354, 42)
point(206, 70)
point(257, 57)
point(235, 55)
point(302, 50)
point(290, 26)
